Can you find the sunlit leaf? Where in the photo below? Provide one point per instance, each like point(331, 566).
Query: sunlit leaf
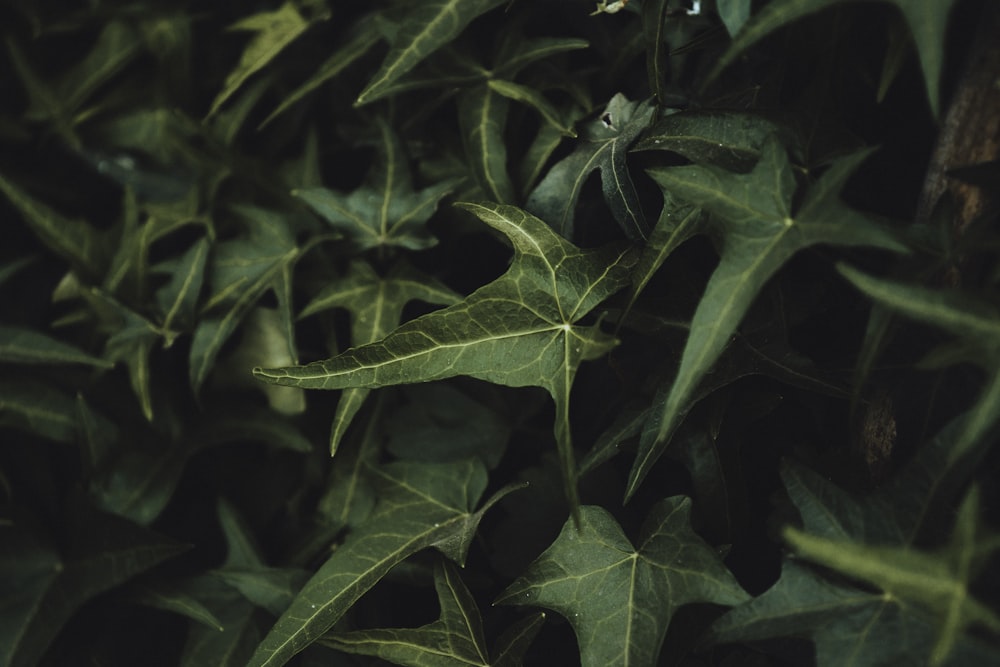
point(420, 506)
point(760, 232)
point(603, 145)
point(618, 598)
point(427, 26)
point(519, 330)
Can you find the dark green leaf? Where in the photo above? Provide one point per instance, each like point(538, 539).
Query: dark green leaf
point(760, 233)
point(618, 598)
point(39, 408)
point(517, 331)
point(927, 22)
point(45, 588)
point(603, 144)
point(427, 26)
point(482, 113)
point(274, 31)
point(386, 211)
point(25, 346)
point(420, 505)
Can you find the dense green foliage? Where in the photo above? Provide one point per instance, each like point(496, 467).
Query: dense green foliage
point(637, 348)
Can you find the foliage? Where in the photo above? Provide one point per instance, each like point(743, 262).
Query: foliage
point(636, 348)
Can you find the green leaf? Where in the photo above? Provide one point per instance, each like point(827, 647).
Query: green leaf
point(178, 597)
point(937, 582)
point(534, 99)
point(454, 640)
point(519, 330)
point(734, 14)
point(272, 588)
point(387, 211)
point(876, 628)
point(482, 114)
point(427, 26)
point(760, 232)
point(728, 139)
point(74, 240)
point(975, 322)
point(274, 31)
point(116, 46)
point(361, 38)
point(420, 505)
point(42, 588)
point(603, 144)
point(19, 345)
point(866, 627)
point(927, 22)
point(178, 298)
point(239, 272)
point(620, 599)
point(654, 18)
point(36, 407)
point(376, 304)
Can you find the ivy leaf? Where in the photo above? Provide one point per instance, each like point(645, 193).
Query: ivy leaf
point(20, 345)
point(975, 322)
point(760, 232)
point(519, 330)
point(927, 21)
point(274, 31)
point(42, 588)
point(240, 271)
point(361, 38)
point(420, 506)
point(936, 582)
point(376, 304)
point(76, 241)
point(455, 639)
point(867, 627)
point(427, 26)
point(603, 144)
point(620, 599)
point(386, 211)
point(36, 407)
point(876, 533)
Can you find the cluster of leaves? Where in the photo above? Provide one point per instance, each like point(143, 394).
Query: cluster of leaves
point(695, 219)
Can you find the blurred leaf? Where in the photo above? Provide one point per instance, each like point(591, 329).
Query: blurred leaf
point(273, 32)
point(36, 407)
point(975, 322)
point(420, 505)
point(19, 345)
point(517, 331)
point(760, 232)
point(178, 298)
point(427, 26)
point(927, 22)
point(178, 597)
point(44, 588)
point(734, 14)
point(603, 144)
point(620, 599)
point(456, 638)
point(269, 587)
point(360, 39)
point(441, 423)
point(936, 582)
point(74, 240)
point(239, 272)
point(387, 211)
